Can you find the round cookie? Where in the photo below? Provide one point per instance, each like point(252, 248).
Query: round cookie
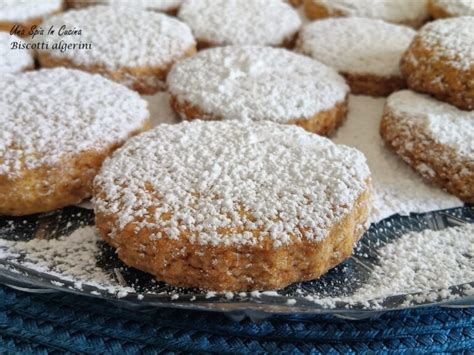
point(58, 125)
point(13, 60)
point(434, 138)
point(241, 22)
point(168, 6)
point(259, 83)
point(365, 51)
point(405, 12)
point(450, 8)
point(440, 61)
point(136, 47)
point(230, 205)
point(26, 13)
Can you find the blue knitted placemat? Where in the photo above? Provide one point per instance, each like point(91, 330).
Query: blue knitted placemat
point(41, 323)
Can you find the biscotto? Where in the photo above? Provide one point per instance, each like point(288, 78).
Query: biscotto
point(440, 61)
point(259, 83)
point(136, 47)
point(231, 205)
point(58, 125)
point(365, 51)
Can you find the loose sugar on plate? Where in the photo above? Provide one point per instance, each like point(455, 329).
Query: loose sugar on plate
point(427, 262)
point(70, 258)
point(424, 263)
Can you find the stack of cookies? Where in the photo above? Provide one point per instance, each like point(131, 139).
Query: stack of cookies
point(246, 193)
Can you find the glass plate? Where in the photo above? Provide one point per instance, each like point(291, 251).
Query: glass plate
point(149, 294)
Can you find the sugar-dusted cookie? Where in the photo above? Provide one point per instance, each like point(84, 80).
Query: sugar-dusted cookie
point(365, 51)
point(14, 60)
point(132, 46)
point(231, 205)
point(26, 13)
point(57, 126)
point(440, 61)
point(238, 22)
point(451, 8)
point(259, 83)
point(406, 12)
point(434, 138)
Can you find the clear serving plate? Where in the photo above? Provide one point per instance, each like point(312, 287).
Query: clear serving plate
point(149, 294)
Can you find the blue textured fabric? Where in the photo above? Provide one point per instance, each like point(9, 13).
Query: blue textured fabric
point(50, 323)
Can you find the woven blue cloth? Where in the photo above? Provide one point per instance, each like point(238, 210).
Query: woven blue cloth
point(49, 323)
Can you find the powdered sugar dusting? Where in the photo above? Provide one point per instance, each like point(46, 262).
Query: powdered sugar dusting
point(225, 22)
point(397, 189)
point(256, 83)
point(428, 262)
point(356, 45)
point(132, 38)
point(51, 113)
point(457, 7)
point(442, 122)
point(13, 60)
point(24, 10)
point(157, 5)
point(452, 40)
point(399, 11)
point(71, 256)
point(278, 179)
point(421, 261)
